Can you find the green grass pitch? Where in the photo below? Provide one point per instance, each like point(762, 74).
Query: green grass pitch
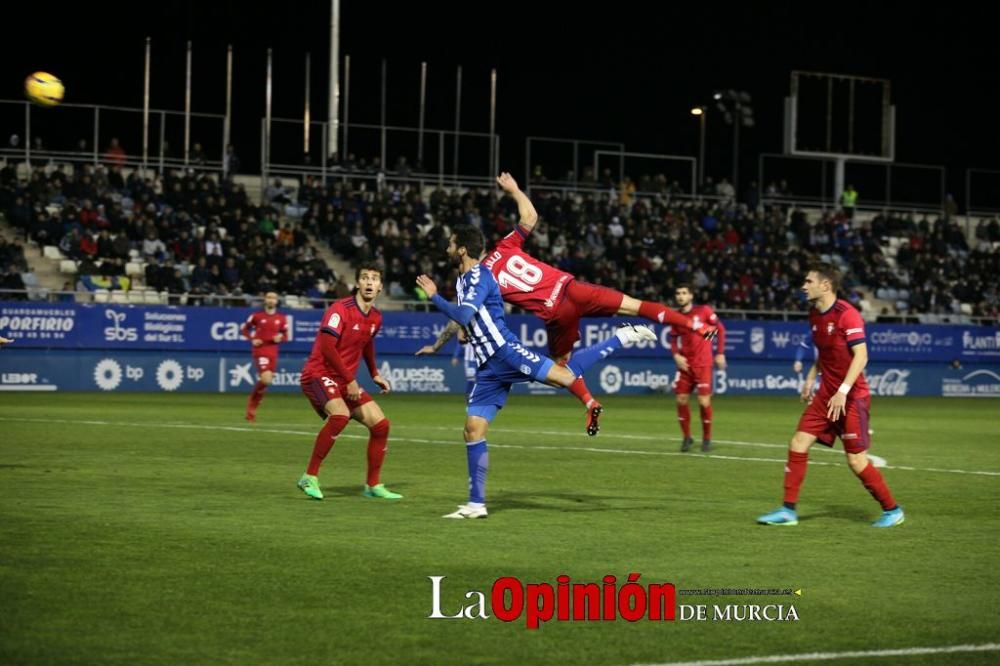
point(162, 529)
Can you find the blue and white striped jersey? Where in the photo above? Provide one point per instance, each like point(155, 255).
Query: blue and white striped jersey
point(487, 330)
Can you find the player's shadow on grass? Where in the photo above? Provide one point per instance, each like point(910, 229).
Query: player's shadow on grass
point(568, 501)
point(848, 513)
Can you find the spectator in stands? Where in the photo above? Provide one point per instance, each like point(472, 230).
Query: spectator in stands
point(848, 201)
point(230, 163)
point(115, 154)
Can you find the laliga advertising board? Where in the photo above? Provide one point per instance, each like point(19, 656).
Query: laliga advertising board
point(126, 348)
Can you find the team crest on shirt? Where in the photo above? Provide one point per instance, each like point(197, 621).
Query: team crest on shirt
point(829, 328)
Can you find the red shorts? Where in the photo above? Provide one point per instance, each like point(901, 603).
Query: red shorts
point(851, 428)
point(321, 390)
point(265, 361)
point(695, 379)
point(581, 299)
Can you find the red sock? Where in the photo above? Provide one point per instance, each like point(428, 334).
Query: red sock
point(662, 314)
point(580, 390)
point(378, 443)
point(256, 396)
point(706, 422)
point(324, 441)
point(875, 484)
point(795, 474)
point(684, 416)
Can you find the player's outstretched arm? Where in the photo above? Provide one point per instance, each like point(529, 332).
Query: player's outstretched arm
point(462, 314)
point(525, 209)
point(447, 334)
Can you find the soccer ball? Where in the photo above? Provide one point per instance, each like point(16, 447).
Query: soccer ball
point(44, 89)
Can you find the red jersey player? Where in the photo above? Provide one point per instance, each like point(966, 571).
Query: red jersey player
point(693, 355)
point(561, 300)
point(265, 330)
point(346, 334)
point(840, 408)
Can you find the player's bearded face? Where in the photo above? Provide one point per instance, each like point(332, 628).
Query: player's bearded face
point(683, 297)
point(453, 251)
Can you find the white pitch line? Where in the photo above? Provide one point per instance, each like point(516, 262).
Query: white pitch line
point(830, 656)
point(452, 442)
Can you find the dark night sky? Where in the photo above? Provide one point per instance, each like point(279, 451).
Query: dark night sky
point(620, 73)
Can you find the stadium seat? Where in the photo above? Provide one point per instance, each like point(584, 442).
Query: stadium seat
point(136, 297)
point(102, 296)
point(67, 266)
point(134, 268)
point(118, 296)
point(151, 297)
point(52, 252)
point(966, 308)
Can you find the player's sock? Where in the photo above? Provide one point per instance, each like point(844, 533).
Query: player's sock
point(875, 484)
point(256, 396)
point(588, 356)
point(378, 442)
point(795, 474)
point(684, 416)
point(324, 441)
point(479, 461)
point(706, 422)
point(662, 314)
point(580, 390)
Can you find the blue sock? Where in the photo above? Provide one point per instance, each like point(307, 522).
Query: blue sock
point(479, 462)
point(588, 356)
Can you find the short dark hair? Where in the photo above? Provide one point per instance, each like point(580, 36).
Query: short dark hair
point(367, 266)
point(471, 238)
point(684, 285)
point(826, 271)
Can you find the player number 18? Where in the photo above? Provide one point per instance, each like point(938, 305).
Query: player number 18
point(520, 274)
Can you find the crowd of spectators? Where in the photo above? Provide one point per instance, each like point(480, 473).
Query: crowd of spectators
point(193, 234)
point(202, 236)
point(644, 242)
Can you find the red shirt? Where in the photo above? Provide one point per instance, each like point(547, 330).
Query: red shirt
point(265, 327)
point(834, 333)
point(353, 333)
point(525, 281)
point(689, 344)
